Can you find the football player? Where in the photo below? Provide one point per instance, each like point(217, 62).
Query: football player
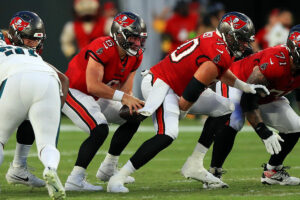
point(186, 73)
point(101, 77)
point(29, 89)
point(31, 36)
point(278, 69)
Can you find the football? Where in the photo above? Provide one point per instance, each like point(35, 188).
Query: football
point(135, 117)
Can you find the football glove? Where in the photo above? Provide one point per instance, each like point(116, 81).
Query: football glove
point(272, 144)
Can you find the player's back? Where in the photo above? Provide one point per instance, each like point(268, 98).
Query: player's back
point(15, 59)
point(178, 68)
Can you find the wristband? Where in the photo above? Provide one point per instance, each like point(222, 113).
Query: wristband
point(262, 131)
point(118, 95)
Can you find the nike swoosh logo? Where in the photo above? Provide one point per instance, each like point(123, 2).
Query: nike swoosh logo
point(220, 51)
point(24, 179)
point(271, 61)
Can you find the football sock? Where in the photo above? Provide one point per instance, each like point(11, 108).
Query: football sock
point(90, 146)
point(223, 144)
point(50, 156)
point(78, 170)
point(290, 140)
point(211, 127)
point(122, 137)
point(199, 151)
point(21, 154)
point(1, 153)
point(207, 135)
point(127, 169)
point(25, 133)
point(111, 158)
point(149, 149)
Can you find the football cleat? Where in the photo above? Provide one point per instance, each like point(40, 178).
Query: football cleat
point(21, 175)
point(278, 176)
point(193, 168)
point(78, 183)
point(107, 170)
point(55, 188)
point(116, 184)
point(217, 172)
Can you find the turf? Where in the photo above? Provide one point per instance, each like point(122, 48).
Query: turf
point(161, 178)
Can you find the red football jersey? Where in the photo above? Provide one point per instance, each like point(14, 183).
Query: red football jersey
point(178, 68)
point(103, 50)
point(274, 64)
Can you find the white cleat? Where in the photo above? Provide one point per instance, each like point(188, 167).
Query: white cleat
point(55, 188)
point(278, 177)
point(79, 183)
point(107, 170)
point(116, 185)
point(217, 172)
point(194, 169)
point(21, 175)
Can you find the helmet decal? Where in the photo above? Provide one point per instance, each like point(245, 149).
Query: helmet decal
point(234, 21)
point(18, 23)
point(295, 37)
point(124, 20)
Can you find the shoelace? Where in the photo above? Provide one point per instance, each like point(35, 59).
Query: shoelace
point(283, 171)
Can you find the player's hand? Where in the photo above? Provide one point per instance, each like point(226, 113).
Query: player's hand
point(272, 144)
point(251, 88)
point(260, 89)
point(133, 103)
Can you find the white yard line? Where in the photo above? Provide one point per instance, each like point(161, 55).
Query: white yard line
point(73, 128)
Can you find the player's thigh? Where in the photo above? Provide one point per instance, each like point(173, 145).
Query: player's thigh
point(83, 110)
point(12, 109)
point(212, 104)
point(110, 109)
point(166, 117)
point(146, 85)
point(237, 118)
point(44, 114)
point(281, 116)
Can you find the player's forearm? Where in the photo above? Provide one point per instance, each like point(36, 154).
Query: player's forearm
point(100, 90)
point(229, 78)
point(65, 87)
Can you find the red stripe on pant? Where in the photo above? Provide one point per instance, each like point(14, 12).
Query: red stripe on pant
point(160, 120)
point(224, 89)
point(81, 112)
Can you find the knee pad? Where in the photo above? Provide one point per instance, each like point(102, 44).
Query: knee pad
point(100, 132)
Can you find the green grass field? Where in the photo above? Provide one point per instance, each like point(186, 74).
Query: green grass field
point(161, 178)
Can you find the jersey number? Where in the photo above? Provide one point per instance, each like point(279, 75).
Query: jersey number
point(10, 50)
point(184, 50)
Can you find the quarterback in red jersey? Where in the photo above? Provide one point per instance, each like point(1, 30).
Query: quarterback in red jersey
point(101, 78)
point(278, 69)
point(186, 73)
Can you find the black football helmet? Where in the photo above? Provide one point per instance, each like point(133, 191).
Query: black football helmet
point(293, 43)
point(125, 25)
point(237, 30)
point(26, 24)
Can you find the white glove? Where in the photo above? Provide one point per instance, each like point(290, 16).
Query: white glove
point(249, 88)
point(272, 144)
